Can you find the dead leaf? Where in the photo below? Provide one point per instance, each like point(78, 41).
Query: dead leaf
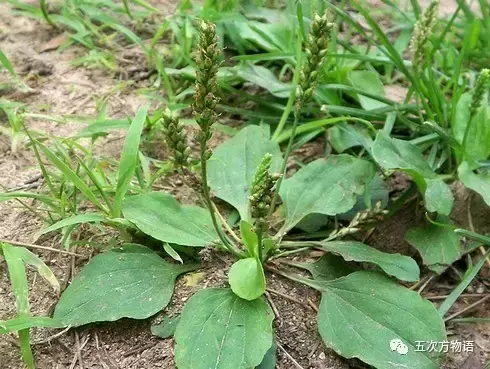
point(54, 43)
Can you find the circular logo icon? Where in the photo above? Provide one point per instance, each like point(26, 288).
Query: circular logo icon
point(397, 345)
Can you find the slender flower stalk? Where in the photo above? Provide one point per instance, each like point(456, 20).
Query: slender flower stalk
point(205, 101)
point(481, 86)
point(316, 48)
point(422, 32)
point(260, 198)
point(362, 218)
point(175, 138)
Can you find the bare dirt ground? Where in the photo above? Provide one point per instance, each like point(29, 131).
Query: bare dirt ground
point(59, 88)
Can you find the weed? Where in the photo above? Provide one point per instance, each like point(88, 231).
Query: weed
point(16, 258)
point(437, 133)
point(243, 302)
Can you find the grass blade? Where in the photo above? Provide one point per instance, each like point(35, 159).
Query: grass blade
point(446, 305)
point(47, 200)
point(129, 158)
point(32, 259)
point(18, 279)
point(72, 176)
point(7, 64)
point(311, 126)
point(76, 219)
point(26, 322)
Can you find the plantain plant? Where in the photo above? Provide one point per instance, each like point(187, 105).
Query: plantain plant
point(361, 311)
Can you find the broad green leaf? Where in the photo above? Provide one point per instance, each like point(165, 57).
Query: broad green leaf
point(438, 197)
point(377, 191)
point(76, 219)
point(326, 186)
point(129, 158)
point(392, 153)
point(218, 329)
point(327, 268)
point(262, 77)
point(461, 117)
point(232, 167)
point(478, 141)
point(247, 278)
point(132, 282)
point(343, 136)
point(362, 313)
point(370, 82)
point(269, 361)
point(479, 183)
point(312, 222)
point(166, 328)
point(27, 322)
point(161, 216)
point(249, 238)
point(439, 246)
point(399, 266)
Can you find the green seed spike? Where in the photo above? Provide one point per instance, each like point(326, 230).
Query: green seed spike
point(205, 95)
point(262, 192)
point(316, 49)
point(422, 33)
point(175, 137)
point(481, 86)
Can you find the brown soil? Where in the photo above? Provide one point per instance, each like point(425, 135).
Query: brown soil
point(59, 88)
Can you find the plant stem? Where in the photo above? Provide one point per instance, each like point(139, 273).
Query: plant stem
point(296, 278)
point(299, 244)
point(259, 245)
point(285, 160)
point(467, 131)
point(44, 11)
point(207, 198)
point(290, 252)
point(292, 95)
point(287, 110)
point(225, 224)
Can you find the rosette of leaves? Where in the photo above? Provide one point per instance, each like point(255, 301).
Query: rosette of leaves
point(230, 328)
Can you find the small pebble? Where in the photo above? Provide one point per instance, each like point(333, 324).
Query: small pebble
point(322, 356)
